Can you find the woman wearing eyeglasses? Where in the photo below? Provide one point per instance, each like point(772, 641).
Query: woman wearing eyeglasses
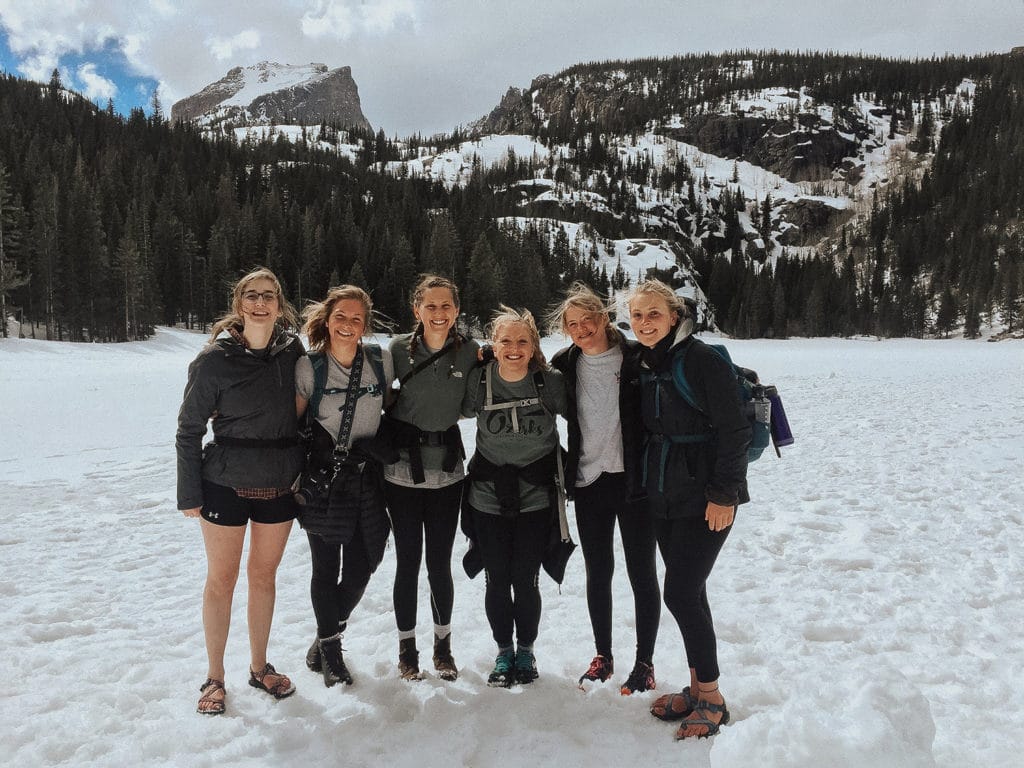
point(244, 381)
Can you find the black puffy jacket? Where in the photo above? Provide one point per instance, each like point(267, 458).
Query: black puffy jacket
point(249, 397)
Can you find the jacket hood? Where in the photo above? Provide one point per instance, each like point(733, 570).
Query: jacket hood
point(684, 330)
point(233, 343)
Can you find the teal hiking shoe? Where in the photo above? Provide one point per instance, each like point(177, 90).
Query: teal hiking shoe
point(526, 667)
point(503, 674)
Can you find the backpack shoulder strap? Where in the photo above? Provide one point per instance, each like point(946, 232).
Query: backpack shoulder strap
point(319, 362)
point(679, 378)
point(376, 357)
point(539, 384)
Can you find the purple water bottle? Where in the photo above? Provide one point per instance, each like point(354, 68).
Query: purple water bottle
point(781, 433)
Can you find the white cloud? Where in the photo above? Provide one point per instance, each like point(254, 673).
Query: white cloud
point(38, 67)
point(329, 19)
point(225, 48)
point(342, 19)
point(94, 86)
point(381, 17)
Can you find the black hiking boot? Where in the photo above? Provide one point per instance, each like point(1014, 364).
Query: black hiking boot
point(313, 661)
point(332, 661)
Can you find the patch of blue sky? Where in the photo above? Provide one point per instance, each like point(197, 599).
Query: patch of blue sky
point(100, 74)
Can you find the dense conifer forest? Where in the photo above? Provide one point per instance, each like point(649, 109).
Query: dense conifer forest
point(112, 225)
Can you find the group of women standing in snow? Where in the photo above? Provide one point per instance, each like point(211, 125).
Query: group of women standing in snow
point(384, 452)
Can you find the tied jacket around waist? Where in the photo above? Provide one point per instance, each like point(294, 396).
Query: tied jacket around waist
point(251, 398)
point(691, 457)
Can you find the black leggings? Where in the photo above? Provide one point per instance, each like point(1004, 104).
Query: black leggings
point(334, 599)
point(418, 515)
point(689, 549)
point(598, 506)
point(512, 549)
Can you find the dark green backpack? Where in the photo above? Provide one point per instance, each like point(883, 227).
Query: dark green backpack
point(754, 398)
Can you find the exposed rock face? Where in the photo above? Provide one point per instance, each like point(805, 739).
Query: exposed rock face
point(801, 155)
point(809, 220)
point(722, 135)
point(808, 151)
point(508, 117)
point(307, 95)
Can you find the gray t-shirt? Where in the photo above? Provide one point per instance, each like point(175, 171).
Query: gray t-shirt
point(368, 407)
point(597, 407)
point(432, 401)
point(499, 443)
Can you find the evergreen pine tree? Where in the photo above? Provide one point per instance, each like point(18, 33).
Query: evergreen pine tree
point(484, 286)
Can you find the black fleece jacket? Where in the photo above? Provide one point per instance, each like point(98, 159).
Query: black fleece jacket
point(249, 396)
point(681, 478)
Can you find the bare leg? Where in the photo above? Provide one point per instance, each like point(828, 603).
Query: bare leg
point(223, 554)
point(266, 546)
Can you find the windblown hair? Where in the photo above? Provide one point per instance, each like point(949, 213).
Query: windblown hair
point(233, 317)
point(506, 316)
point(581, 296)
point(428, 281)
point(674, 301)
point(316, 313)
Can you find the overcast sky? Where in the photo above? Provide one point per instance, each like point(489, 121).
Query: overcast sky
point(429, 65)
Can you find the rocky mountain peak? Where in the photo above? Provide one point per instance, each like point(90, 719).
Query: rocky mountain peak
point(269, 92)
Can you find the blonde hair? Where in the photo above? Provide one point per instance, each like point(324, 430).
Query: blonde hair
point(672, 299)
point(233, 317)
point(316, 313)
point(506, 315)
point(581, 296)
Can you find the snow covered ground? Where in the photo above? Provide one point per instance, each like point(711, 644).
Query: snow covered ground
point(869, 603)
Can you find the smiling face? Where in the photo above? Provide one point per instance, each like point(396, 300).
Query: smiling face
point(346, 324)
point(438, 311)
point(651, 318)
point(259, 304)
point(513, 349)
point(588, 330)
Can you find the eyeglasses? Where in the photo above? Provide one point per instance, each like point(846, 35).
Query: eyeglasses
point(252, 297)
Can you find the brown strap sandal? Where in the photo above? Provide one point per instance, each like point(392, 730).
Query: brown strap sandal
point(209, 702)
point(270, 680)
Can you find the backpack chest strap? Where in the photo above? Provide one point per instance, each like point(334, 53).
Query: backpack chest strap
point(513, 405)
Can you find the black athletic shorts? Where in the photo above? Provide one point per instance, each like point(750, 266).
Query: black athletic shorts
point(222, 506)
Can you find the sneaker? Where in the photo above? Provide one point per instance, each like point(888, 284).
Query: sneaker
point(601, 669)
point(526, 667)
point(443, 661)
point(503, 674)
point(640, 679)
point(409, 661)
